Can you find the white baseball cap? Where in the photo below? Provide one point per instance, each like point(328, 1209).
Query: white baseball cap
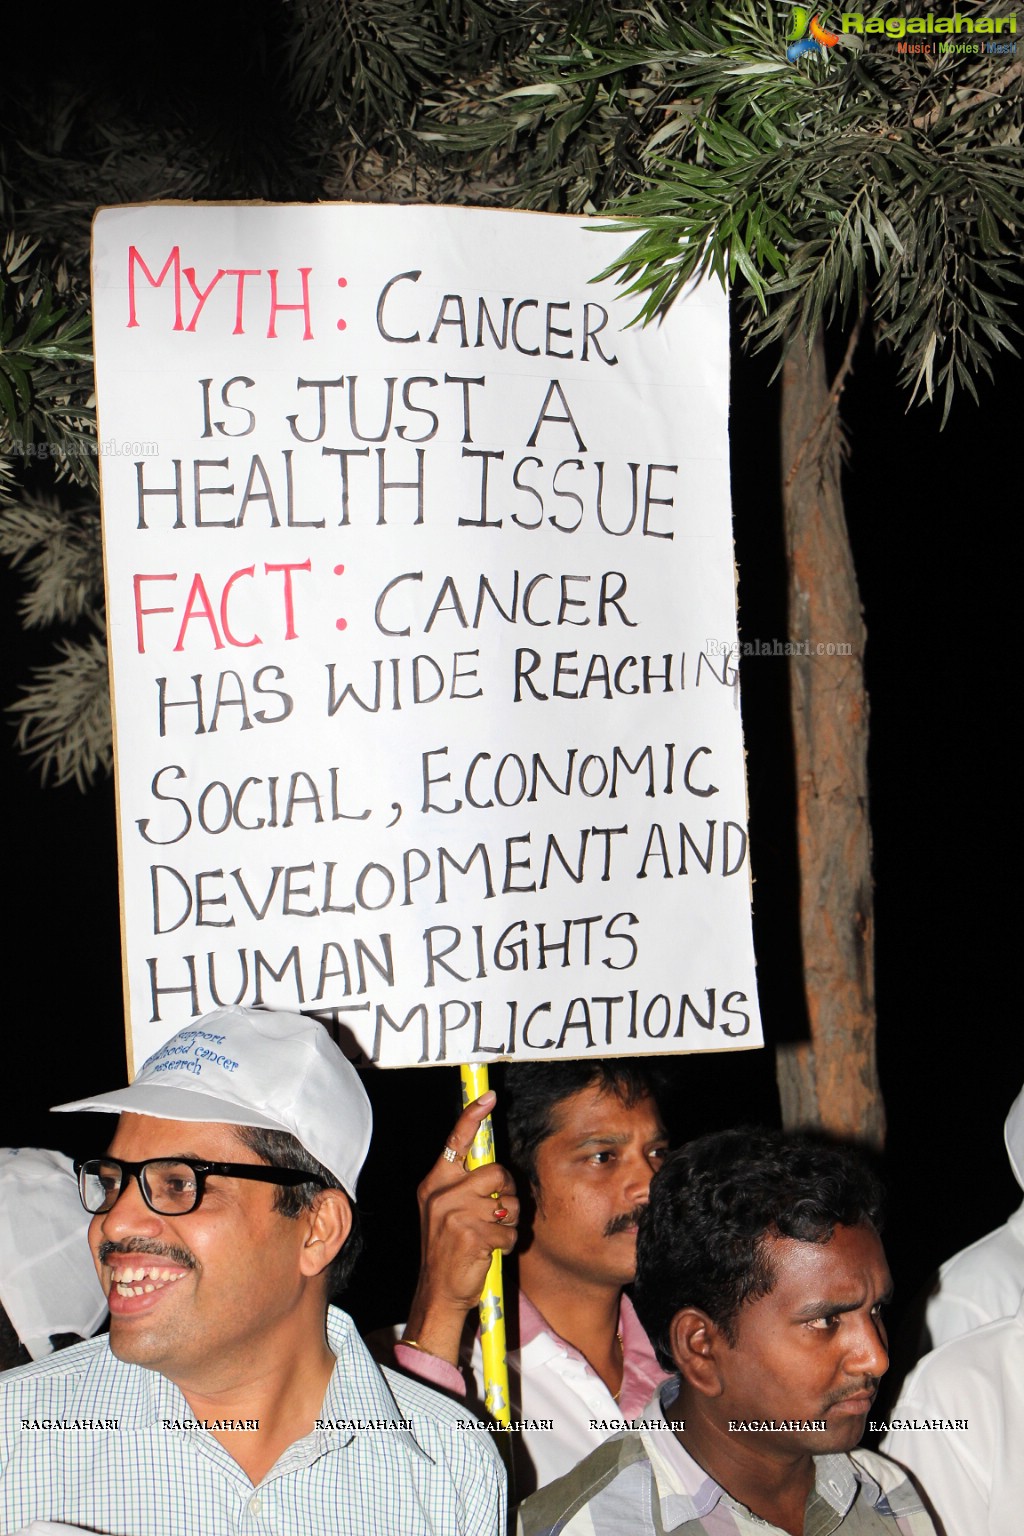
point(247, 1066)
point(48, 1281)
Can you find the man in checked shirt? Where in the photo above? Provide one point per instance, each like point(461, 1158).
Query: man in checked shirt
point(761, 1281)
point(230, 1397)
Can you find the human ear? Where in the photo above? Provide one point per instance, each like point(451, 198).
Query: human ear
point(327, 1225)
point(696, 1342)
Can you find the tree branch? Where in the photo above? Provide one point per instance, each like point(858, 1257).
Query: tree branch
point(834, 393)
point(1010, 74)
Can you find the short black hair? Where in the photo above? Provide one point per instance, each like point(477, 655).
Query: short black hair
point(714, 1202)
point(534, 1090)
point(282, 1150)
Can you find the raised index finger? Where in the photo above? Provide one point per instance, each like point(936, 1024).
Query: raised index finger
point(451, 1163)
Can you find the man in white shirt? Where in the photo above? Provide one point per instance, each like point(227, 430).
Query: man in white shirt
point(985, 1281)
point(959, 1428)
point(49, 1294)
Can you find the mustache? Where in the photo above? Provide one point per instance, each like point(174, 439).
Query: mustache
point(147, 1245)
point(623, 1223)
point(869, 1384)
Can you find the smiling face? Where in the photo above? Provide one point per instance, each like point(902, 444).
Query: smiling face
point(213, 1294)
point(814, 1347)
point(593, 1174)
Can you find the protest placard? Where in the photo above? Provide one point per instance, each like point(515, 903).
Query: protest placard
point(421, 610)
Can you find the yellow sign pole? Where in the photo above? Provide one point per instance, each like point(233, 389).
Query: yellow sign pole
point(492, 1302)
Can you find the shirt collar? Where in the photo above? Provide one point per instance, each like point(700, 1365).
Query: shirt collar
point(532, 1324)
point(641, 1373)
point(358, 1389)
point(634, 1334)
point(136, 1397)
point(687, 1492)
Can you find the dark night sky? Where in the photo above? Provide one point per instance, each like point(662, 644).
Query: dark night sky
point(929, 514)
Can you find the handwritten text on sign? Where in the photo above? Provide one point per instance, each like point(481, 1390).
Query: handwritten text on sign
point(420, 584)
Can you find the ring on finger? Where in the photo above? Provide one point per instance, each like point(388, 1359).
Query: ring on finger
point(450, 1154)
point(500, 1213)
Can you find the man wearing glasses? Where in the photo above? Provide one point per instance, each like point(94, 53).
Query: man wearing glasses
point(230, 1397)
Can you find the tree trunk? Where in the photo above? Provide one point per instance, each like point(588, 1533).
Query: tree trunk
point(830, 1081)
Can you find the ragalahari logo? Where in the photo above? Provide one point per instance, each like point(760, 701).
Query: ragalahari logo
point(800, 43)
point(930, 34)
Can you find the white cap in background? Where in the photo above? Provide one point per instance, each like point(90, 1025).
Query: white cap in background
point(48, 1281)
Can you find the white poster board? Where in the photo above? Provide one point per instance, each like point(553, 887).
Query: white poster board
point(421, 603)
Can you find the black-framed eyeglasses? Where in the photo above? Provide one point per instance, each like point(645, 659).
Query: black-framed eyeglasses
point(171, 1186)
